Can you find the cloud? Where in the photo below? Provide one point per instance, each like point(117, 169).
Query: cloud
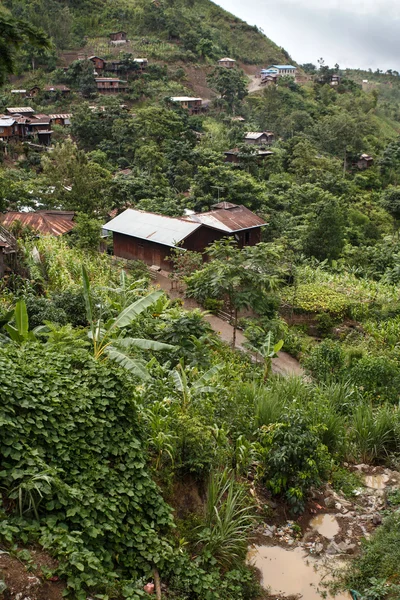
point(354, 33)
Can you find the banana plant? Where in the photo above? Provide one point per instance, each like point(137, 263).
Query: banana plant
point(268, 350)
point(18, 332)
point(108, 338)
point(190, 390)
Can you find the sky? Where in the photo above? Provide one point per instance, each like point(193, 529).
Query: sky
point(353, 33)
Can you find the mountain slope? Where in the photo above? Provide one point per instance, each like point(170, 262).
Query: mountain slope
point(199, 26)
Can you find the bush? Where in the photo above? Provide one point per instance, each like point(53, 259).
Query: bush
point(325, 361)
point(378, 377)
point(293, 458)
point(41, 309)
point(72, 302)
point(319, 298)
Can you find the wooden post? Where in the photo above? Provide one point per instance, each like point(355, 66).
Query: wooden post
point(157, 583)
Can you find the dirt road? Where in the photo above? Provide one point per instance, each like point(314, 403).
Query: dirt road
point(284, 364)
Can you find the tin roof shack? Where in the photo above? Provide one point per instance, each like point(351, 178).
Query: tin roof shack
point(8, 129)
point(149, 237)
point(228, 63)
point(235, 156)
point(269, 79)
point(62, 119)
point(8, 250)
point(51, 222)
point(119, 36)
point(26, 111)
point(261, 138)
point(99, 63)
point(111, 85)
point(365, 162)
point(192, 105)
point(335, 80)
point(62, 90)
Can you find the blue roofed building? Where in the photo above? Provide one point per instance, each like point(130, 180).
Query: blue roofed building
point(280, 70)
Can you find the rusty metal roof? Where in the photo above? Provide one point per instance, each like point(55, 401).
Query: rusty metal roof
point(61, 116)
point(20, 109)
point(229, 220)
point(160, 229)
point(44, 222)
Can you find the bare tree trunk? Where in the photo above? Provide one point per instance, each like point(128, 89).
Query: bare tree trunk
point(157, 584)
point(235, 321)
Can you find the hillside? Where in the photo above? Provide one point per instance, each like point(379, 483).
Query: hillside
point(187, 28)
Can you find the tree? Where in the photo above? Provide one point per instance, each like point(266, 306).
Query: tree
point(13, 33)
point(324, 237)
point(241, 277)
point(230, 84)
point(86, 233)
point(391, 201)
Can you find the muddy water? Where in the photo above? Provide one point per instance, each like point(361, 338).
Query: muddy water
point(326, 525)
point(290, 572)
point(376, 482)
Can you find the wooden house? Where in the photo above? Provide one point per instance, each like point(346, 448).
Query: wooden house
point(365, 162)
point(236, 157)
point(260, 138)
point(25, 111)
point(139, 235)
point(57, 88)
point(118, 37)
point(111, 85)
point(335, 80)
point(228, 63)
point(99, 63)
point(8, 250)
point(8, 128)
point(62, 119)
point(34, 91)
point(45, 222)
point(192, 105)
point(268, 80)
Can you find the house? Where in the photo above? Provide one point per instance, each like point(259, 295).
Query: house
point(228, 63)
point(61, 89)
point(45, 222)
point(19, 92)
point(142, 62)
point(261, 138)
point(8, 250)
point(34, 91)
point(63, 119)
point(99, 63)
point(150, 237)
point(335, 80)
point(192, 105)
point(8, 128)
point(365, 162)
point(26, 111)
point(39, 122)
point(111, 85)
point(269, 79)
point(118, 36)
point(235, 156)
point(238, 119)
point(281, 70)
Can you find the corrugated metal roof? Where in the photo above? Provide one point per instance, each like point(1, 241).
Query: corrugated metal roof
point(44, 223)
point(61, 116)
point(283, 67)
point(183, 98)
point(227, 60)
point(56, 87)
point(254, 135)
point(164, 230)
point(229, 220)
point(18, 91)
point(20, 109)
point(109, 79)
point(7, 122)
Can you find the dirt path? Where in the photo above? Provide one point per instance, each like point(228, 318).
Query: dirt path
point(284, 364)
point(255, 84)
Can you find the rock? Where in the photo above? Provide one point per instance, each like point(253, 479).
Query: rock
point(319, 548)
point(290, 542)
point(338, 506)
point(332, 549)
point(329, 502)
point(347, 547)
point(376, 519)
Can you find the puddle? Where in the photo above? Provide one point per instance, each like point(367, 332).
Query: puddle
point(376, 482)
point(326, 525)
point(290, 572)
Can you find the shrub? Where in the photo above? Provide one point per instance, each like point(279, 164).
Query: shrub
point(374, 433)
point(293, 458)
point(378, 377)
point(319, 298)
point(41, 309)
point(72, 302)
point(325, 361)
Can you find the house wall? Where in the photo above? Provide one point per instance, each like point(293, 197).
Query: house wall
point(121, 35)
point(152, 253)
point(133, 248)
point(6, 132)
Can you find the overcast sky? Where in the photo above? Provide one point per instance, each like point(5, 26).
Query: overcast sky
point(353, 33)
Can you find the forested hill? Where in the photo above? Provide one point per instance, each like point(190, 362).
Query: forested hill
point(198, 27)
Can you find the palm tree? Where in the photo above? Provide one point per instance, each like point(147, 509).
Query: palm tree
point(109, 338)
